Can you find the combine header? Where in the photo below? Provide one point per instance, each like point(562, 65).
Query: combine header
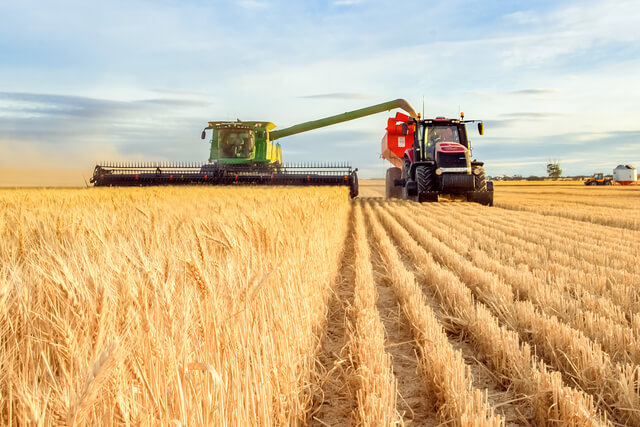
point(244, 152)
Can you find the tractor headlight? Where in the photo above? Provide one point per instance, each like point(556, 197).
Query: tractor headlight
point(438, 171)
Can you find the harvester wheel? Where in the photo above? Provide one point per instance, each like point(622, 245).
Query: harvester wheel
point(393, 191)
point(479, 179)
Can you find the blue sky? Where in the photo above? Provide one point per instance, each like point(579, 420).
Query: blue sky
point(83, 81)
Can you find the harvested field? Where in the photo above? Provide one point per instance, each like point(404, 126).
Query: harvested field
point(299, 306)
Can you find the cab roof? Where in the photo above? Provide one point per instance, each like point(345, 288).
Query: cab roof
point(442, 120)
point(254, 124)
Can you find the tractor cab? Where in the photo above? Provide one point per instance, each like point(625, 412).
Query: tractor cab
point(445, 141)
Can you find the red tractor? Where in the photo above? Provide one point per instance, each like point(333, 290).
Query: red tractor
point(432, 157)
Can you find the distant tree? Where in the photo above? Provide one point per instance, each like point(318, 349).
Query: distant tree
point(553, 170)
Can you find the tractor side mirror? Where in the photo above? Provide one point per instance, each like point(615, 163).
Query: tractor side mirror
point(481, 128)
point(405, 129)
point(204, 134)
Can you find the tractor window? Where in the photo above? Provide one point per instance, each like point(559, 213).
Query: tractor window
point(236, 144)
point(435, 134)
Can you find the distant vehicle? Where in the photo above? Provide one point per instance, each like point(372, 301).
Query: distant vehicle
point(625, 175)
point(599, 179)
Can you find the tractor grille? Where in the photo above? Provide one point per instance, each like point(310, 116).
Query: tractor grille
point(456, 182)
point(452, 160)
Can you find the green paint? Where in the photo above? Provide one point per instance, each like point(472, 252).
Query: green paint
point(250, 143)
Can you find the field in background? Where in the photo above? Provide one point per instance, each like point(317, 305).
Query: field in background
point(274, 306)
point(43, 178)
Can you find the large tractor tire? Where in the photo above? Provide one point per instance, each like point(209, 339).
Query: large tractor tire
point(406, 168)
point(393, 191)
point(483, 189)
point(427, 185)
point(354, 190)
point(479, 179)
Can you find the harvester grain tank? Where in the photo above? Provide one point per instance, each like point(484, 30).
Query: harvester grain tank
point(625, 175)
point(432, 157)
point(244, 152)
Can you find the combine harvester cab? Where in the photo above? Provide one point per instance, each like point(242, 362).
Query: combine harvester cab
point(432, 157)
point(244, 152)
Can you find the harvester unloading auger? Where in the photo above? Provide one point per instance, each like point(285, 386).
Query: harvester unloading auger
point(243, 152)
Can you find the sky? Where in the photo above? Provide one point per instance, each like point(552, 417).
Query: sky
point(87, 81)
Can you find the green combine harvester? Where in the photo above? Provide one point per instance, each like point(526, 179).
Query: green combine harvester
point(244, 152)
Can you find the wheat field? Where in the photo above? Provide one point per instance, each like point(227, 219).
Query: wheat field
point(298, 306)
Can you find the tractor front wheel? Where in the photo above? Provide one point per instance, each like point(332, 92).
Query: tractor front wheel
point(426, 179)
point(479, 179)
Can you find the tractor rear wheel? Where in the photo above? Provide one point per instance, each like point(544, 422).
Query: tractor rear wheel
point(426, 179)
point(406, 168)
point(393, 191)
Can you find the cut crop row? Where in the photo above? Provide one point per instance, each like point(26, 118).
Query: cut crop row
point(549, 278)
point(605, 216)
point(583, 235)
point(376, 393)
point(443, 369)
point(567, 349)
point(513, 363)
point(619, 252)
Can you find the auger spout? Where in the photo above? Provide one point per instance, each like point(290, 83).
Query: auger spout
point(339, 118)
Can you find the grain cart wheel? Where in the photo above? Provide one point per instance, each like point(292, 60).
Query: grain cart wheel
point(354, 190)
point(393, 191)
point(427, 188)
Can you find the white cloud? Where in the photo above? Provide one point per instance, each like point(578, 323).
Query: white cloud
point(572, 30)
